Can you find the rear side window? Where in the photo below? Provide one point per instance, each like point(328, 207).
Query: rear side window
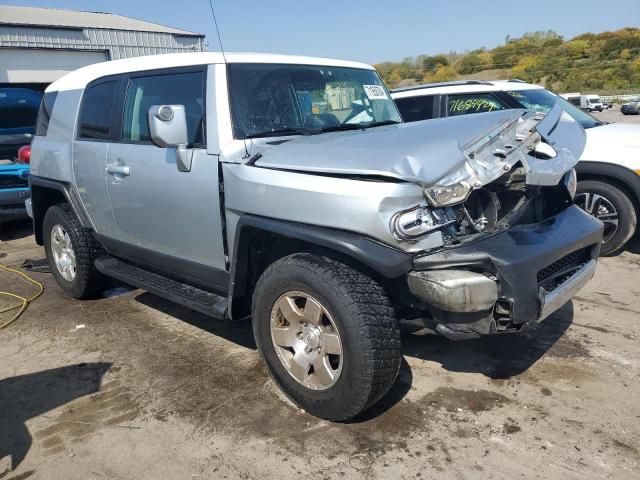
point(95, 112)
point(473, 103)
point(44, 114)
point(170, 89)
point(414, 109)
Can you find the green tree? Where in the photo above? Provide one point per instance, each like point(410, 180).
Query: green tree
point(605, 62)
point(443, 73)
point(431, 64)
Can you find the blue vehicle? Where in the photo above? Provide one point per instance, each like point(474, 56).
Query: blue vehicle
point(18, 112)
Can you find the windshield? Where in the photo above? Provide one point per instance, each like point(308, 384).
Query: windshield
point(273, 100)
point(542, 100)
point(18, 110)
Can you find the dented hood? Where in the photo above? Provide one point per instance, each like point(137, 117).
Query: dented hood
point(442, 151)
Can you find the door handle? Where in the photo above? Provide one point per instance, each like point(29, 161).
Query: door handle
point(117, 169)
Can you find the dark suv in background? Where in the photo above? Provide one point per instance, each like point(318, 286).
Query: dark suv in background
point(18, 111)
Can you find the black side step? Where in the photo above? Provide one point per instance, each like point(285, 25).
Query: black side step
point(163, 286)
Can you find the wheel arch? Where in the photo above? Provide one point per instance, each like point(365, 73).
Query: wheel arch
point(46, 193)
point(617, 175)
point(260, 241)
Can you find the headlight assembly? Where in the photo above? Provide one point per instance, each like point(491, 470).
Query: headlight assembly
point(415, 222)
point(451, 194)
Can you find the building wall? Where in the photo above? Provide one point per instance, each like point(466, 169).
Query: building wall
point(118, 43)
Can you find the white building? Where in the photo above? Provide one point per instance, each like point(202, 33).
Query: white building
point(39, 45)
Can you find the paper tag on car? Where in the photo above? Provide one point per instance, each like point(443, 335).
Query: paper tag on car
point(375, 92)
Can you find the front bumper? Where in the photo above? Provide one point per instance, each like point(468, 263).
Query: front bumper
point(536, 268)
point(12, 206)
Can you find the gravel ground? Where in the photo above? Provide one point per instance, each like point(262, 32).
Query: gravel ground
point(131, 386)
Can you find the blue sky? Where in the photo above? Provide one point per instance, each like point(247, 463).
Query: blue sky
point(369, 31)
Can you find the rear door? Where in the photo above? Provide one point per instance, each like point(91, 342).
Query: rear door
point(94, 132)
point(166, 218)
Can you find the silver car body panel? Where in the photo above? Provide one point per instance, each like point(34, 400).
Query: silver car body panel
point(475, 149)
point(89, 162)
point(158, 208)
point(364, 207)
point(51, 155)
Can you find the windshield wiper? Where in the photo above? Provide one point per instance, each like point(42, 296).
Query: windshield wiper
point(346, 126)
point(281, 132)
point(382, 123)
point(359, 126)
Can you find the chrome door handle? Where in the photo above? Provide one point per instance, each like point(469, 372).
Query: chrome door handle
point(116, 169)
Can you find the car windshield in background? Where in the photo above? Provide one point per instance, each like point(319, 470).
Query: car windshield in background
point(542, 100)
point(272, 100)
point(18, 110)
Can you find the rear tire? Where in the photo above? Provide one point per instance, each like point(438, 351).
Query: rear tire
point(601, 200)
point(355, 310)
point(71, 250)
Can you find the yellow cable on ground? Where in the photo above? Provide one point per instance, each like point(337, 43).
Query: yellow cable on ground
point(25, 300)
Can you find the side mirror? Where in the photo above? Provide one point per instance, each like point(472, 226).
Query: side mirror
point(168, 128)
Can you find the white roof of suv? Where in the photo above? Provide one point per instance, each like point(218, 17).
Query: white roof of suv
point(463, 86)
point(78, 79)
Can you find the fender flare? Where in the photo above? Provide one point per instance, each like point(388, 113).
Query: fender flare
point(40, 184)
point(384, 260)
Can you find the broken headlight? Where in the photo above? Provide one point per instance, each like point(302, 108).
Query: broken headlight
point(439, 196)
point(413, 223)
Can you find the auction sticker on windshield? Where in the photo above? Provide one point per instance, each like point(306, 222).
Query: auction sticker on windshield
point(375, 92)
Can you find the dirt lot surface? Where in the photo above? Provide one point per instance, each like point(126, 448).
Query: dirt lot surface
point(134, 387)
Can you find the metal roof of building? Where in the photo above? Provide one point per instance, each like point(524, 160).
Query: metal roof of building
point(74, 19)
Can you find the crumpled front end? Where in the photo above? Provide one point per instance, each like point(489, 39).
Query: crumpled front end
point(510, 280)
point(474, 172)
point(521, 167)
point(484, 203)
point(516, 248)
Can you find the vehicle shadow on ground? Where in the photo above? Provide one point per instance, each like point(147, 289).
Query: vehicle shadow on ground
point(633, 246)
point(15, 230)
point(239, 332)
point(26, 396)
point(497, 356)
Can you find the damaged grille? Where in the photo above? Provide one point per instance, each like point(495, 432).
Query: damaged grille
point(505, 202)
point(13, 181)
point(555, 274)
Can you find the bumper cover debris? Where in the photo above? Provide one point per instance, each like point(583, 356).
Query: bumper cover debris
point(537, 268)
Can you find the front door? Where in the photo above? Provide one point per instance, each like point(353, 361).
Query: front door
point(164, 217)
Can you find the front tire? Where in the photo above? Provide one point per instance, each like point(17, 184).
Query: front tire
point(71, 250)
point(327, 334)
point(613, 207)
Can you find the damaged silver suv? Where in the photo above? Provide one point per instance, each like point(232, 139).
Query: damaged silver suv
point(288, 190)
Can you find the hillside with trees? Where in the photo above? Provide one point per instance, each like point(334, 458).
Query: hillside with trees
point(607, 62)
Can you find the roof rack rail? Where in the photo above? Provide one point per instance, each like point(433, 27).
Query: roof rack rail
point(516, 80)
point(441, 84)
